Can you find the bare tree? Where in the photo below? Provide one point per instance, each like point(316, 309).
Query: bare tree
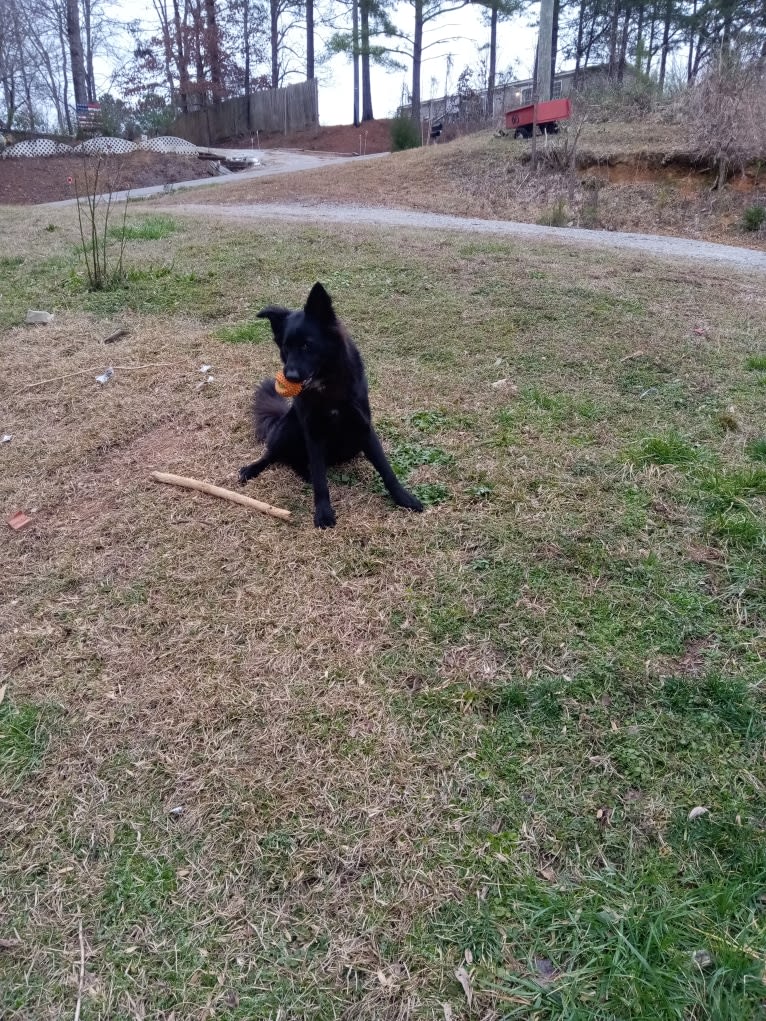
point(495, 12)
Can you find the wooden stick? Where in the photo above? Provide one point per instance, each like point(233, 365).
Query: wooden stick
point(122, 332)
point(225, 494)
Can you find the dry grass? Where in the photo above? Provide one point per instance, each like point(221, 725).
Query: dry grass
point(255, 762)
point(642, 170)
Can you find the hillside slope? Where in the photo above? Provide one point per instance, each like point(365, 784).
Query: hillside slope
point(630, 177)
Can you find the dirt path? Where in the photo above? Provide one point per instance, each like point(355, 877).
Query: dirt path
point(271, 163)
point(650, 244)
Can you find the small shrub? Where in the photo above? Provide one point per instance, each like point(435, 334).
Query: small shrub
point(95, 189)
point(725, 115)
point(670, 449)
point(555, 215)
point(756, 449)
point(404, 134)
point(754, 218)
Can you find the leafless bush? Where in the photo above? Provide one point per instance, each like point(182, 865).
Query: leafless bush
point(96, 190)
point(635, 99)
point(725, 115)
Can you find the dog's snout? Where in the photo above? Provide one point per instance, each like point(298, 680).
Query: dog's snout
point(292, 375)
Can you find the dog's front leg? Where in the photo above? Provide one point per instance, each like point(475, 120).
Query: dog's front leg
point(373, 451)
point(252, 471)
point(324, 515)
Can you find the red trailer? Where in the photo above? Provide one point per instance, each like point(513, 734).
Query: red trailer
point(521, 121)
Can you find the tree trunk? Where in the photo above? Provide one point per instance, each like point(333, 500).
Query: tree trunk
point(665, 45)
point(613, 23)
point(417, 59)
point(309, 39)
point(64, 115)
point(181, 61)
point(274, 37)
point(623, 57)
point(591, 40)
point(214, 51)
point(167, 48)
point(555, 40)
point(87, 9)
point(690, 61)
point(74, 37)
point(355, 57)
point(726, 36)
point(579, 47)
point(492, 63)
point(199, 55)
point(650, 47)
point(364, 10)
point(246, 44)
point(640, 38)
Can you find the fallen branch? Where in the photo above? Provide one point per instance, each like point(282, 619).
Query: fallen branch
point(122, 332)
point(97, 368)
point(225, 494)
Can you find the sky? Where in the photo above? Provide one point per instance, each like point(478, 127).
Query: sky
point(459, 35)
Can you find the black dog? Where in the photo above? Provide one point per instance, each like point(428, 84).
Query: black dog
point(329, 421)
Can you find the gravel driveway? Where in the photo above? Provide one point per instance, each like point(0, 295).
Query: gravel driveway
point(651, 244)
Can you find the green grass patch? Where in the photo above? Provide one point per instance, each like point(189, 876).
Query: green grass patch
point(405, 457)
point(244, 333)
point(24, 736)
point(756, 449)
point(630, 943)
point(668, 449)
point(153, 228)
point(431, 422)
point(756, 363)
point(162, 289)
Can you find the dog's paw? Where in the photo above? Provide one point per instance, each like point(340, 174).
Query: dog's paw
point(409, 501)
point(324, 516)
point(243, 475)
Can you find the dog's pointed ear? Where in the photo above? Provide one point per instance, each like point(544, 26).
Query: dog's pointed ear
point(276, 315)
point(319, 305)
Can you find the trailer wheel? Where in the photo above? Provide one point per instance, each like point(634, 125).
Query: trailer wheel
point(522, 133)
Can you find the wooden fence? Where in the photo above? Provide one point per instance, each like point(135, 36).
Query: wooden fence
point(289, 109)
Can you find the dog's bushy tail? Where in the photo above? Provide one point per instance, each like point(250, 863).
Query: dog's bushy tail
point(268, 409)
